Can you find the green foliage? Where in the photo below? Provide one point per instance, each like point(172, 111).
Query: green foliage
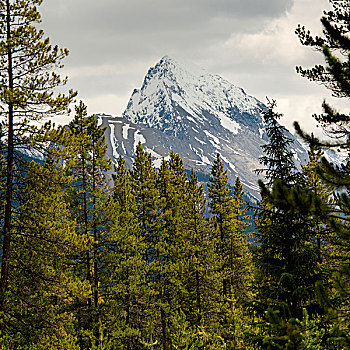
point(278, 160)
point(28, 81)
point(228, 216)
point(288, 254)
point(186, 336)
point(197, 263)
point(41, 284)
point(138, 265)
point(334, 46)
point(123, 257)
point(143, 187)
point(293, 333)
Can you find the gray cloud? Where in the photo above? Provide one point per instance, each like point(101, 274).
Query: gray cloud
point(108, 30)
point(251, 43)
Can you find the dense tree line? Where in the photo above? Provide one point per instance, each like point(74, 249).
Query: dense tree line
point(149, 258)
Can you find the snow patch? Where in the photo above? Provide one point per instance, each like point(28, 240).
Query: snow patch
point(229, 124)
point(205, 159)
point(253, 187)
point(125, 129)
point(99, 120)
point(191, 119)
point(112, 140)
point(233, 150)
point(200, 141)
point(153, 153)
point(138, 137)
point(216, 140)
point(158, 161)
point(229, 163)
point(194, 129)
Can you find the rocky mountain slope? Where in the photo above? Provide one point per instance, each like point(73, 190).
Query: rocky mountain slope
point(195, 114)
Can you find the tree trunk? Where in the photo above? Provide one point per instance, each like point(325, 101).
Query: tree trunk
point(163, 319)
point(95, 257)
point(9, 179)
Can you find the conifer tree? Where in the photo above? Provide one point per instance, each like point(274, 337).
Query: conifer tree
point(286, 258)
point(278, 158)
point(146, 194)
point(122, 282)
point(332, 247)
point(42, 287)
point(171, 205)
point(143, 186)
point(241, 258)
point(88, 193)
point(228, 209)
point(197, 262)
point(27, 61)
point(335, 46)
point(334, 75)
point(230, 223)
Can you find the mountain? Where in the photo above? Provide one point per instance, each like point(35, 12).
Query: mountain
point(196, 114)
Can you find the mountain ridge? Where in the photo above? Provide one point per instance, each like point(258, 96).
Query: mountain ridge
point(197, 115)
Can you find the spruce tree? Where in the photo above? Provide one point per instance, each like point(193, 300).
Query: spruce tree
point(278, 159)
point(286, 256)
point(27, 61)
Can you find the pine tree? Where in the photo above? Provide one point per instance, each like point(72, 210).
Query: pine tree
point(332, 248)
point(123, 270)
point(171, 187)
point(197, 263)
point(334, 75)
point(27, 60)
point(41, 285)
point(242, 263)
point(143, 186)
point(88, 167)
point(228, 209)
point(146, 194)
point(230, 223)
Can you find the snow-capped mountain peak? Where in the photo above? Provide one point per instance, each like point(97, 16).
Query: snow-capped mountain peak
point(196, 114)
point(174, 93)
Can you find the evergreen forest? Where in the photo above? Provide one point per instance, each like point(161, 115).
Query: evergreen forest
point(96, 256)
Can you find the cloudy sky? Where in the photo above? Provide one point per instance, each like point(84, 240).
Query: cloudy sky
point(251, 43)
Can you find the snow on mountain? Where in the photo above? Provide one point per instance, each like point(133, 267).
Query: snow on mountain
point(195, 114)
point(174, 98)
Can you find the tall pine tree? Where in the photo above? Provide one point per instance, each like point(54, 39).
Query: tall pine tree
point(228, 211)
point(27, 61)
point(334, 45)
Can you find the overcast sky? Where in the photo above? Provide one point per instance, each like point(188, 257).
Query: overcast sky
point(251, 43)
